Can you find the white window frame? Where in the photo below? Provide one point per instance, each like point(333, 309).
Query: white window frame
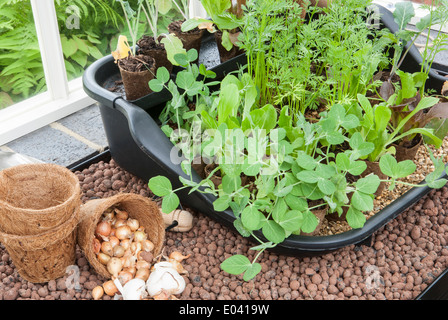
point(62, 97)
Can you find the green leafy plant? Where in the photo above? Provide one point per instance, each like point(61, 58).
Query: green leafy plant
point(222, 15)
point(405, 37)
point(22, 74)
point(270, 164)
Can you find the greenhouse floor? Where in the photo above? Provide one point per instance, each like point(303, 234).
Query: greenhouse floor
point(65, 142)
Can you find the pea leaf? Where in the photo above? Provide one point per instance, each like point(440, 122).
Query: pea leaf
point(170, 203)
point(310, 222)
point(326, 186)
point(252, 271)
point(273, 231)
point(368, 184)
point(307, 176)
point(252, 218)
point(222, 203)
point(160, 186)
point(290, 220)
point(390, 167)
point(236, 264)
point(355, 218)
point(305, 161)
point(362, 201)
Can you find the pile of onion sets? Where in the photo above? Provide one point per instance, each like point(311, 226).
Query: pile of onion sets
point(121, 244)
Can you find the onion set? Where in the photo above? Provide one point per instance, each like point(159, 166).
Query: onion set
point(122, 245)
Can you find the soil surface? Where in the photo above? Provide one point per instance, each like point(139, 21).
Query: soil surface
point(405, 257)
point(147, 43)
point(137, 63)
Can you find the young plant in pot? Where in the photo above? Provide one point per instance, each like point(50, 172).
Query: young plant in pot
point(161, 47)
point(191, 39)
point(136, 70)
point(224, 25)
point(406, 93)
point(274, 167)
point(292, 184)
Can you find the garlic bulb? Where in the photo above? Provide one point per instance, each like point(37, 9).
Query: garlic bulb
point(164, 278)
point(134, 289)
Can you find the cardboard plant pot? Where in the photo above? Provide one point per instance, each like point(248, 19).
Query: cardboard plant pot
point(136, 72)
point(223, 53)
point(191, 39)
point(408, 151)
point(147, 46)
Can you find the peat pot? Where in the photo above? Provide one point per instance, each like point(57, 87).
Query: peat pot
point(139, 146)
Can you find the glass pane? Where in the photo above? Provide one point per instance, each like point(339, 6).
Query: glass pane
point(21, 71)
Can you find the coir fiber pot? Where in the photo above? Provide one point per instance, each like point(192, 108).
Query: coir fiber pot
point(148, 47)
point(43, 257)
point(191, 39)
point(138, 207)
point(136, 82)
point(35, 198)
point(140, 147)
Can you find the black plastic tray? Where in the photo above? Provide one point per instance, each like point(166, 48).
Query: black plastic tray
point(139, 146)
point(437, 290)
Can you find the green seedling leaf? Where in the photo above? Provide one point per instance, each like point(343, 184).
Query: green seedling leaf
point(236, 264)
point(229, 98)
point(390, 167)
point(290, 220)
point(264, 118)
point(355, 218)
point(273, 231)
point(185, 80)
point(296, 203)
point(305, 161)
point(310, 222)
point(326, 186)
point(192, 55)
point(240, 228)
point(252, 271)
point(222, 203)
point(252, 218)
point(368, 185)
point(357, 168)
point(173, 46)
point(403, 13)
point(359, 147)
point(308, 176)
point(160, 186)
point(362, 201)
point(163, 74)
point(230, 184)
point(170, 203)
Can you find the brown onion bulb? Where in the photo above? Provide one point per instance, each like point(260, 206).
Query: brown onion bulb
point(147, 245)
point(110, 288)
point(121, 214)
point(106, 247)
point(97, 293)
point(114, 266)
point(103, 258)
point(123, 232)
point(118, 251)
point(96, 245)
point(114, 241)
point(133, 224)
point(103, 228)
point(142, 273)
point(124, 277)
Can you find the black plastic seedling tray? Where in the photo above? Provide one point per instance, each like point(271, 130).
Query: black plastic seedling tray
point(139, 146)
